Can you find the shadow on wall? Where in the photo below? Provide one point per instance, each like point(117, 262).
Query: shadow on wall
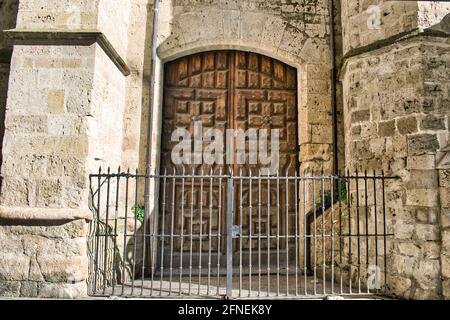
point(8, 18)
point(112, 263)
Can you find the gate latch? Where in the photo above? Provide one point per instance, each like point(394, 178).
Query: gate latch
point(236, 231)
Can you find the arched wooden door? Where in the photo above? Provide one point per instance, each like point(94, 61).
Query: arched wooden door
point(228, 90)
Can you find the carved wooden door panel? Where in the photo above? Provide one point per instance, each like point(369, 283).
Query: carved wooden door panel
point(229, 90)
point(265, 92)
point(196, 88)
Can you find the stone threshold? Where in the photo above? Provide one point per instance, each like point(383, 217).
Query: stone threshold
point(69, 37)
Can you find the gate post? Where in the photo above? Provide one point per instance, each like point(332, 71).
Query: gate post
point(229, 290)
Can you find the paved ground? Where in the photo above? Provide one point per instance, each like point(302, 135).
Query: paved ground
point(263, 287)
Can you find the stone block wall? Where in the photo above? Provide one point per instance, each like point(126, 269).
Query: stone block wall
point(46, 143)
point(71, 108)
point(8, 15)
point(43, 259)
point(137, 102)
point(64, 118)
point(395, 113)
point(44, 169)
point(54, 14)
point(295, 32)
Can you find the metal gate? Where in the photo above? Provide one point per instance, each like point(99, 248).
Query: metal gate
point(330, 236)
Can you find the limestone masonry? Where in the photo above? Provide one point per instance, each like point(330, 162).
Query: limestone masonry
point(75, 91)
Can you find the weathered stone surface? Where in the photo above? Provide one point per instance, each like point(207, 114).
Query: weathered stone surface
point(29, 289)
point(62, 290)
point(55, 101)
point(409, 249)
point(445, 197)
point(70, 110)
point(422, 143)
point(403, 265)
point(432, 122)
point(403, 231)
point(422, 197)
point(52, 253)
point(445, 260)
point(422, 179)
point(427, 232)
point(14, 266)
point(9, 288)
point(423, 162)
point(62, 269)
point(446, 289)
point(431, 250)
point(407, 125)
point(399, 286)
point(445, 217)
point(360, 115)
point(444, 178)
point(386, 128)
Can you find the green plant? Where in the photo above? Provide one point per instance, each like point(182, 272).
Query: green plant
point(336, 196)
point(139, 213)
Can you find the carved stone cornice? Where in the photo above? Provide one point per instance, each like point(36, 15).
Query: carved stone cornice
point(68, 37)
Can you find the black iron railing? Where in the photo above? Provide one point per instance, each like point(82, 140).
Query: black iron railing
point(238, 234)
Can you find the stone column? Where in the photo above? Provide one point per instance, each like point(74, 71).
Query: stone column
point(396, 110)
point(8, 15)
point(64, 119)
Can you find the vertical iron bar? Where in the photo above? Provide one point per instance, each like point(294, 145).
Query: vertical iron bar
point(108, 179)
point(229, 290)
point(240, 235)
point(250, 233)
point(144, 236)
point(201, 233)
point(339, 182)
point(384, 229)
point(358, 231)
point(278, 233)
point(259, 232)
point(172, 227)
point(268, 235)
point(115, 233)
point(163, 227)
point(332, 232)
point(125, 231)
point(296, 231)
point(219, 235)
point(323, 233)
point(181, 232)
point(90, 244)
point(349, 196)
point(367, 225)
point(315, 232)
point(97, 225)
point(210, 230)
point(287, 233)
point(191, 220)
point(305, 272)
point(153, 222)
point(136, 187)
point(375, 218)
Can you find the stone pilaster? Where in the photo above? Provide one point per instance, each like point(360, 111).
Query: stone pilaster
point(8, 15)
point(395, 111)
point(64, 117)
